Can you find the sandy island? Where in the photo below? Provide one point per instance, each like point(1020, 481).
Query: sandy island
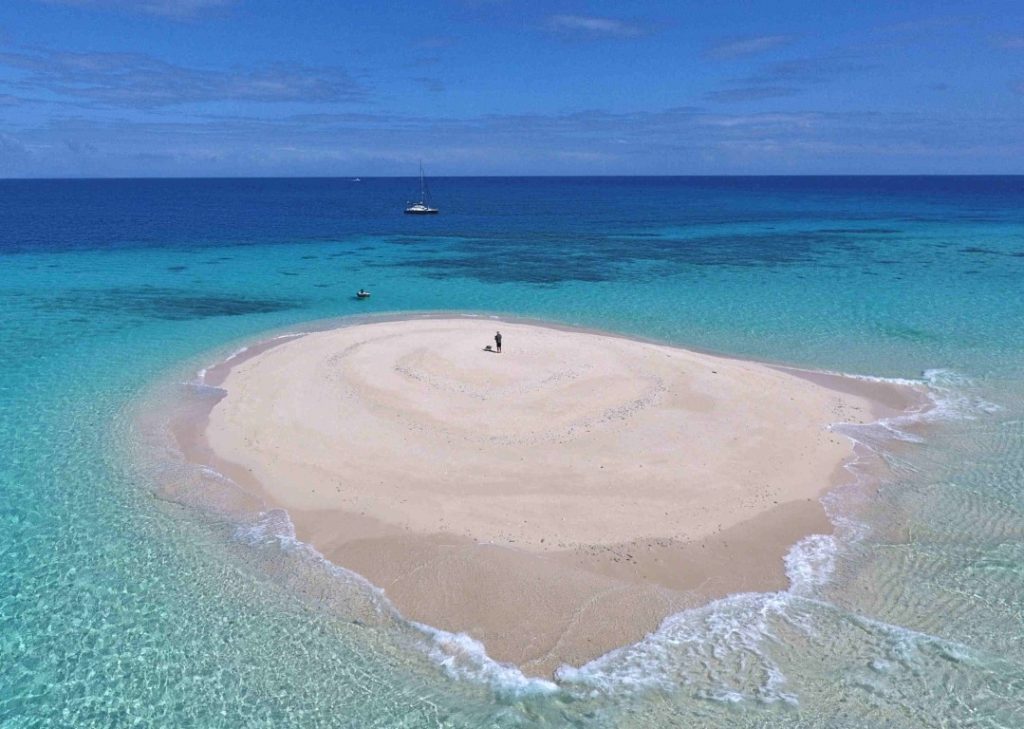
point(554, 501)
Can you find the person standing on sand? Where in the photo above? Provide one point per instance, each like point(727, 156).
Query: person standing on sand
point(497, 341)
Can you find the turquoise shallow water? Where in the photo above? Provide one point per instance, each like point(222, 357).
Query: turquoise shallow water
point(121, 609)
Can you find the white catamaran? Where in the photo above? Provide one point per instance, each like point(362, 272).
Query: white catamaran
point(423, 206)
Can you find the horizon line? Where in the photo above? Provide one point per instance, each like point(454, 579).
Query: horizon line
point(506, 177)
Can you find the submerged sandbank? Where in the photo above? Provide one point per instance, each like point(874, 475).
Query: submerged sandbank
point(555, 501)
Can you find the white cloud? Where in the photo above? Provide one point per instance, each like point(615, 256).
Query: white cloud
point(593, 26)
point(135, 80)
point(177, 9)
point(1010, 42)
point(747, 46)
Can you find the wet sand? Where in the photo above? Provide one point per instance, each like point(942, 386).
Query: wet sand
point(555, 501)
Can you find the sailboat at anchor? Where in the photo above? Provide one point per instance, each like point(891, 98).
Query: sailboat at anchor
point(423, 206)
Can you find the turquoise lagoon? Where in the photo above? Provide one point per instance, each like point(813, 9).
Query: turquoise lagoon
point(121, 608)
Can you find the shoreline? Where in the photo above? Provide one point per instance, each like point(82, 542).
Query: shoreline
point(635, 583)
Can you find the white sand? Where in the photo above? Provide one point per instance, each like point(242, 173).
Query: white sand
point(565, 437)
point(560, 450)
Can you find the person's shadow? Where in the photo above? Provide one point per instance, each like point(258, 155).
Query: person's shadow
point(491, 349)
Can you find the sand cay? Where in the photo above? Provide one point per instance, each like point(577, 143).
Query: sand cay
point(554, 501)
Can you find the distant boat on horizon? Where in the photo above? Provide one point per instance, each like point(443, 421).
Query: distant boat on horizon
point(423, 206)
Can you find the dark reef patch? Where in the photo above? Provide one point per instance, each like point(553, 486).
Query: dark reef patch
point(408, 240)
point(861, 231)
point(541, 258)
point(164, 303)
point(979, 250)
point(906, 332)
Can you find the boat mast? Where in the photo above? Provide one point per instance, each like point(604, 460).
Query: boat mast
point(423, 186)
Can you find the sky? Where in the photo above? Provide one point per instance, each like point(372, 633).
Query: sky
point(196, 88)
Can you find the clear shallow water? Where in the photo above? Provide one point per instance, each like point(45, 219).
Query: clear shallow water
point(117, 608)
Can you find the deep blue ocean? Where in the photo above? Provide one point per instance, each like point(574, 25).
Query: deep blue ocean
point(119, 608)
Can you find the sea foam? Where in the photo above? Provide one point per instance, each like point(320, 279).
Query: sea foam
point(721, 650)
point(460, 656)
